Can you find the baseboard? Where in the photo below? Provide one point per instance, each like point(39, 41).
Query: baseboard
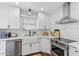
point(33, 54)
point(45, 54)
point(41, 53)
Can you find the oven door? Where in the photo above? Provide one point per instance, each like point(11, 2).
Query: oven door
point(56, 51)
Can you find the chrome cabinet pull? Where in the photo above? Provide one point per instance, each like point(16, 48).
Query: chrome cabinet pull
point(76, 51)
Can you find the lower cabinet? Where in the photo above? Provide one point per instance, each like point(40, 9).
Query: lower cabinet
point(30, 48)
point(35, 47)
point(26, 49)
point(45, 45)
point(73, 51)
point(2, 48)
point(41, 45)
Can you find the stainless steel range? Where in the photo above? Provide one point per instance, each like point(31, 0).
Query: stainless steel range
point(60, 47)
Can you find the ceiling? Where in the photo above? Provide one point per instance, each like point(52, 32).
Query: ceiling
point(49, 7)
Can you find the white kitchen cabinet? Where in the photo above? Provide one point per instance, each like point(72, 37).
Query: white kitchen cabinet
point(73, 51)
point(35, 47)
point(14, 18)
point(4, 16)
point(30, 45)
point(2, 48)
point(9, 17)
point(30, 48)
point(26, 49)
point(45, 45)
point(43, 21)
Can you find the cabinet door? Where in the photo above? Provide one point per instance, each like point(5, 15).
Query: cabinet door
point(2, 48)
point(45, 45)
point(14, 18)
point(73, 51)
point(26, 49)
point(35, 47)
point(4, 14)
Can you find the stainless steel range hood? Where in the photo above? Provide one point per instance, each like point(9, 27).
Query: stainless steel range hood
point(66, 15)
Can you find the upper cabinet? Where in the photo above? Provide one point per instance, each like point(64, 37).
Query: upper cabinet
point(14, 18)
point(4, 16)
point(9, 17)
point(43, 21)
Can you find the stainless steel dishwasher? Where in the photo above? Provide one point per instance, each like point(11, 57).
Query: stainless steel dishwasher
point(14, 47)
point(18, 47)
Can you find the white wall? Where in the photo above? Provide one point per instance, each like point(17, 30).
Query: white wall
point(57, 15)
point(43, 20)
point(70, 31)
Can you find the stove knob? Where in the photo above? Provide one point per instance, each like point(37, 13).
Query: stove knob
point(76, 51)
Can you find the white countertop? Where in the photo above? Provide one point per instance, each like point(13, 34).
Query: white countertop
point(75, 44)
point(38, 37)
point(26, 37)
point(14, 38)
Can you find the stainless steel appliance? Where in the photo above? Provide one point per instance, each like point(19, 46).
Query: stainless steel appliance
point(14, 47)
point(14, 35)
point(66, 15)
point(60, 47)
point(10, 48)
point(10, 34)
point(3, 35)
point(18, 47)
point(7, 35)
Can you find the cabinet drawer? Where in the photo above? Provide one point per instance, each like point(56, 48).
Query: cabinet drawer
point(30, 40)
point(2, 53)
point(2, 44)
point(73, 51)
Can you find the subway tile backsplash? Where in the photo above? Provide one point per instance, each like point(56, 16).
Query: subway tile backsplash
point(25, 32)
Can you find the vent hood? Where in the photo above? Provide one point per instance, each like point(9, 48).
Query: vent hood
point(66, 15)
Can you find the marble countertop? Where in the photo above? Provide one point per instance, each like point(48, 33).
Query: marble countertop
point(75, 44)
point(14, 38)
point(38, 37)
